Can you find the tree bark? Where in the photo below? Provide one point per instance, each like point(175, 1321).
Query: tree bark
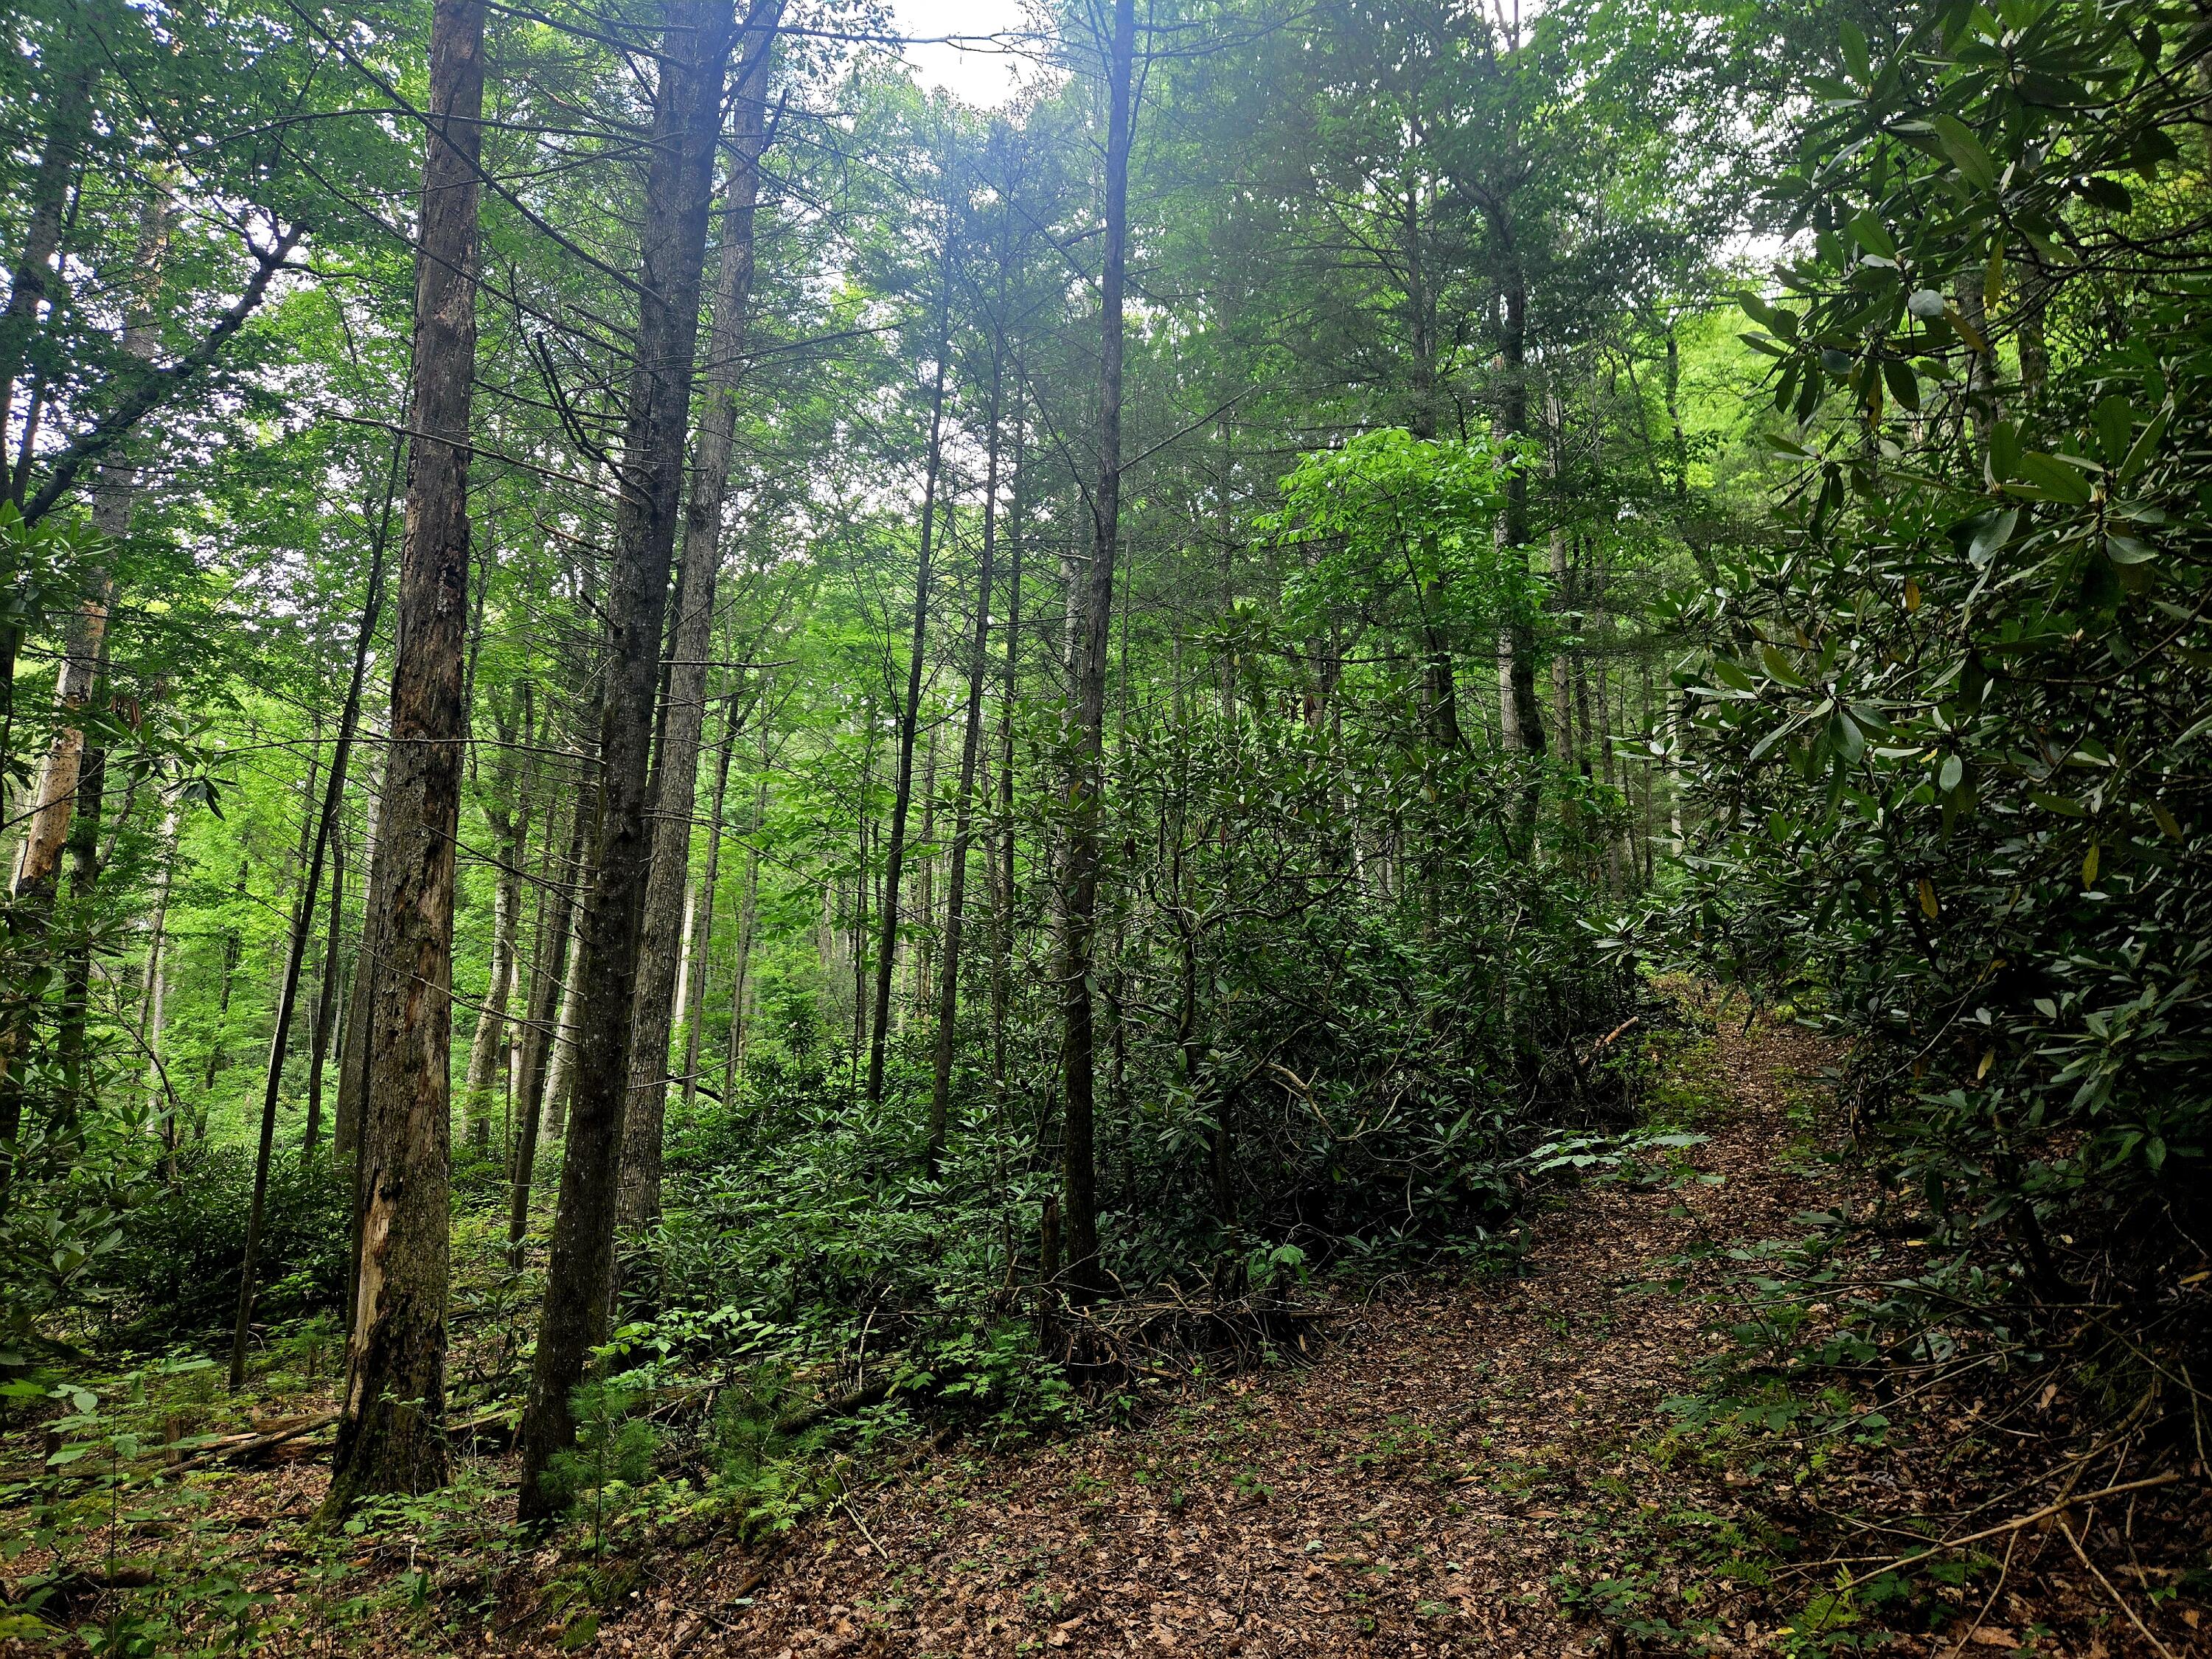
point(675, 784)
point(747, 914)
point(703, 954)
point(161, 1101)
point(361, 995)
point(319, 1041)
point(1086, 784)
point(956, 883)
point(391, 1430)
point(303, 924)
point(1002, 972)
point(67, 129)
point(679, 184)
point(910, 710)
point(509, 816)
point(549, 980)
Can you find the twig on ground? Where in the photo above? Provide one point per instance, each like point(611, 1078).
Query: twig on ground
point(1996, 1590)
point(1936, 1546)
point(2121, 1600)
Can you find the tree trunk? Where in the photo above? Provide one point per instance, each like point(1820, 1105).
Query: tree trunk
point(319, 826)
point(1521, 714)
point(679, 185)
point(1079, 878)
point(85, 645)
point(560, 1068)
point(549, 979)
point(748, 916)
point(67, 128)
point(361, 995)
point(218, 1055)
point(910, 710)
point(675, 783)
point(319, 1043)
point(160, 1100)
point(956, 883)
point(391, 1430)
point(1002, 968)
point(702, 953)
point(509, 817)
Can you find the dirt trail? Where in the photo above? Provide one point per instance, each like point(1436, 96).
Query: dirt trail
point(1473, 1472)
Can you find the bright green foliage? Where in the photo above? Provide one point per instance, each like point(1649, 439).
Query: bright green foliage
point(1951, 725)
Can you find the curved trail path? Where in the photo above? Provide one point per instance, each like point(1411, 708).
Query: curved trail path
point(1477, 1470)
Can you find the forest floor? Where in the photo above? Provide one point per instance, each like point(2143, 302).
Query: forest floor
point(1514, 1464)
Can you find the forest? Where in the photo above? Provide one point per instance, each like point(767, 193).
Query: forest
point(1281, 826)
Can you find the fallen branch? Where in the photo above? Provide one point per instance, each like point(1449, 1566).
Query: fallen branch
point(2076, 1543)
point(248, 1445)
point(1937, 1545)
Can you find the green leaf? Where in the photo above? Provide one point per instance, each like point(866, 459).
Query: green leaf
point(1730, 675)
point(2109, 194)
point(2054, 476)
point(1856, 58)
point(2145, 445)
point(1964, 152)
point(1774, 319)
point(2115, 421)
point(1903, 385)
point(1777, 666)
point(2126, 550)
point(1873, 235)
point(1993, 530)
point(2004, 450)
point(2065, 805)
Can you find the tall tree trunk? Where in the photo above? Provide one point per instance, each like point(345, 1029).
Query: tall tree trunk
point(678, 190)
point(509, 816)
point(85, 643)
point(748, 916)
point(67, 128)
point(550, 977)
point(1003, 906)
point(71, 1106)
point(361, 995)
point(703, 954)
point(391, 1427)
point(910, 710)
point(1079, 878)
point(319, 825)
point(675, 783)
point(1517, 646)
point(218, 1054)
point(326, 1001)
point(152, 1013)
point(956, 883)
point(560, 1068)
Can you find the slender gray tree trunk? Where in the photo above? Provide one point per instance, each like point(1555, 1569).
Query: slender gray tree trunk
point(910, 709)
point(956, 883)
point(678, 190)
point(1079, 874)
point(702, 953)
point(675, 785)
point(303, 925)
